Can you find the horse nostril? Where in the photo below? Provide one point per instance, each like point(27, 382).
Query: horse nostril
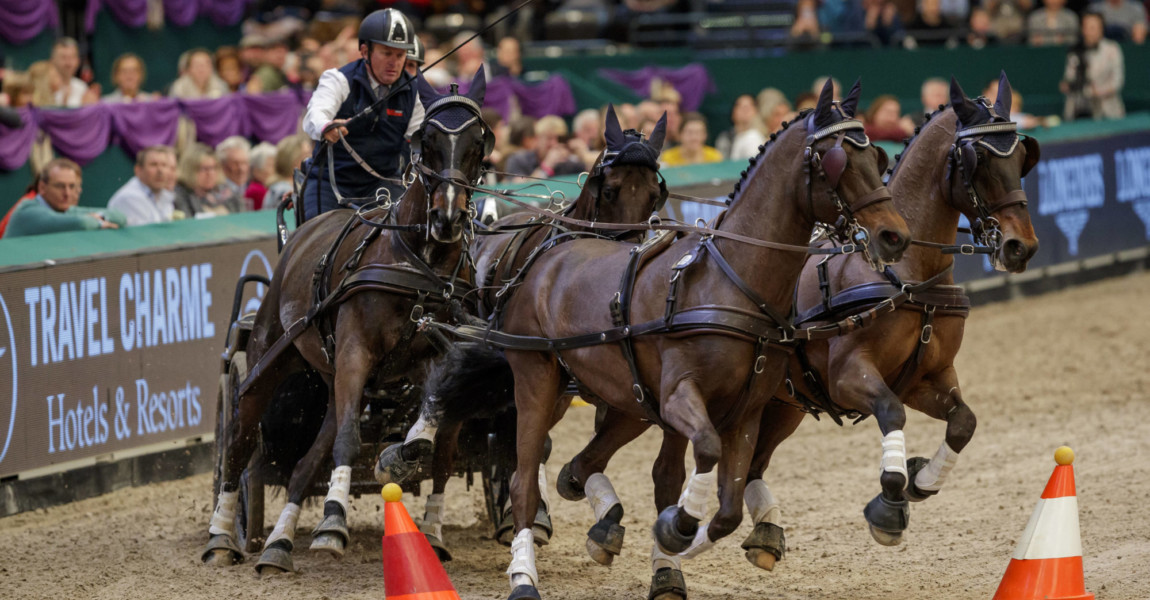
point(1014, 249)
point(893, 240)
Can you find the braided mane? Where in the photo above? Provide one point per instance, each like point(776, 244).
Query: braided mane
point(763, 150)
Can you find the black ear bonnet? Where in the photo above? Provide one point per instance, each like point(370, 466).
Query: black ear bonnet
point(454, 112)
point(629, 148)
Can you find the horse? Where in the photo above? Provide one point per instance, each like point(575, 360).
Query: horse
point(467, 384)
point(691, 337)
point(344, 300)
point(967, 159)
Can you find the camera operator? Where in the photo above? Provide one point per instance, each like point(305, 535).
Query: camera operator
point(1094, 76)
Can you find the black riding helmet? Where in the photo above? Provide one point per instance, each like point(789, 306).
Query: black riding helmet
point(388, 27)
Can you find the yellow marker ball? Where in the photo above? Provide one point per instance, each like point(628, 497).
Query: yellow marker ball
point(392, 493)
point(1064, 455)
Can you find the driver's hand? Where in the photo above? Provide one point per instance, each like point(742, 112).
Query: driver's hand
point(333, 130)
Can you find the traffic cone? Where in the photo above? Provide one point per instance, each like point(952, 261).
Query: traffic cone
point(1047, 564)
point(411, 571)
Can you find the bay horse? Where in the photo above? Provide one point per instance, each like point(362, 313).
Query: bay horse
point(344, 300)
point(691, 337)
point(967, 159)
point(469, 384)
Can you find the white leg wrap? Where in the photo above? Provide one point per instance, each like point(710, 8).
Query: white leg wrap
point(433, 516)
point(422, 430)
point(601, 494)
point(700, 488)
point(664, 561)
point(894, 453)
point(933, 475)
point(543, 488)
point(285, 527)
point(340, 489)
point(224, 519)
point(522, 569)
point(761, 503)
point(701, 544)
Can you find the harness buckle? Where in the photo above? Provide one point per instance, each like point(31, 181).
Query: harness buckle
point(966, 249)
point(416, 313)
point(848, 248)
point(927, 332)
point(448, 290)
point(790, 387)
point(761, 364)
point(638, 391)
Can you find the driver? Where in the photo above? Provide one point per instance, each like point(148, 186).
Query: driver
point(381, 140)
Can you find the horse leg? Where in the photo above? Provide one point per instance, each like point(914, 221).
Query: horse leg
point(446, 443)
point(766, 544)
point(685, 412)
point(940, 398)
point(668, 474)
point(398, 462)
point(276, 555)
point(539, 407)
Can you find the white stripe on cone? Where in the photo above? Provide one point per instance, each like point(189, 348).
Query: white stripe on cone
point(1052, 531)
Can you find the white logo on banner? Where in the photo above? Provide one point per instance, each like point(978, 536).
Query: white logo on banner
point(1132, 177)
point(1067, 189)
point(7, 348)
point(253, 304)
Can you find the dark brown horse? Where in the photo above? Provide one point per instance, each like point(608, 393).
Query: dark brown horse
point(623, 187)
point(716, 302)
point(343, 302)
point(967, 159)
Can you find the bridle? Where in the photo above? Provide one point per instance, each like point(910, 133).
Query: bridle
point(829, 167)
point(597, 177)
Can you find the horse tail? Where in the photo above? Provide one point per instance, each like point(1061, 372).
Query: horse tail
point(470, 381)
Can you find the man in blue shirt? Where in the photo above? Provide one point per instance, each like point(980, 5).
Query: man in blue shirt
point(145, 199)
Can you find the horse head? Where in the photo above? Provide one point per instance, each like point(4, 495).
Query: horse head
point(988, 161)
point(844, 180)
point(451, 145)
point(624, 186)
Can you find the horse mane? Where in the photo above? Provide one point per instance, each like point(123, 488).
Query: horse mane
point(908, 141)
point(754, 160)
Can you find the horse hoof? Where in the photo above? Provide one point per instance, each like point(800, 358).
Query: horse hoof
point(276, 559)
point(440, 548)
point(668, 584)
point(330, 543)
point(607, 534)
point(765, 546)
point(887, 519)
point(599, 554)
point(667, 535)
point(393, 467)
point(524, 592)
point(221, 551)
point(542, 528)
point(912, 492)
point(568, 487)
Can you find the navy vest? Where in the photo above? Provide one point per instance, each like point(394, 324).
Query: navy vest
point(379, 140)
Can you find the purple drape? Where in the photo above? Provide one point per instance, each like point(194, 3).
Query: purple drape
point(223, 12)
point(181, 13)
point(137, 125)
point(691, 81)
point(80, 134)
point(22, 20)
point(273, 116)
point(549, 97)
point(217, 119)
point(16, 144)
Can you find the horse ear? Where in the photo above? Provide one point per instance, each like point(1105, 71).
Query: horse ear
point(658, 134)
point(478, 87)
point(1005, 97)
point(849, 105)
point(612, 132)
point(826, 97)
point(427, 94)
point(963, 107)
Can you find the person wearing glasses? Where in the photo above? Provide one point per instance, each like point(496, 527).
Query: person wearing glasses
point(56, 205)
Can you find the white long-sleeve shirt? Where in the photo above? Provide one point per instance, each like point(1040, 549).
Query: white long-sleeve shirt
point(329, 95)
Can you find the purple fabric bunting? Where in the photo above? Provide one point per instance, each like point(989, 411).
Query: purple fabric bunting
point(273, 116)
point(550, 97)
point(23, 20)
point(223, 12)
point(217, 119)
point(137, 125)
point(180, 13)
point(80, 134)
point(16, 144)
point(691, 81)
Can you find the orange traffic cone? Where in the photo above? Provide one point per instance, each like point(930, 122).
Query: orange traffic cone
point(1047, 564)
point(411, 571)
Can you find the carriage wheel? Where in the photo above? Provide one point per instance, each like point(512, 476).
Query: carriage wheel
point(495, 483)
point(250, 507)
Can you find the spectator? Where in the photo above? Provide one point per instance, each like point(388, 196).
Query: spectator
point(1008, 18)
point(628, 116)
point(805, 28)
point(19, 89)
point(46, 83)
point(229, 68)
point(930, 27)
point(1094, 75)
point(806, 100)
point(934, 93)
point(979, 33)
point(954, 12)
point(836, 87)
point(145, 198)
point(55, 208)
point(773, 108)
point(198, 79)
point(29, 194)
point(1053, 25)
point(587, 141)
point(269, 76)
point(200, 189)
point(743, 139)
point(550, 156)
point(520, 136)
point(882, 20)
point(669, 101)
point(416, 56)
point(73, 91)
point(290, 152)
point(508, 58)
point(883, 120)
point(234, 154)
point(263, 158)
point(128, 74)
point(692, 149)
point(1124, 17)
point(468, 57)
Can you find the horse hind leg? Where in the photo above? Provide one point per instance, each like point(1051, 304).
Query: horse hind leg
point(398, 462)
point(447, 441)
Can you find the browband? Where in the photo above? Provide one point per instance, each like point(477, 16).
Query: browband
point(988, 128)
